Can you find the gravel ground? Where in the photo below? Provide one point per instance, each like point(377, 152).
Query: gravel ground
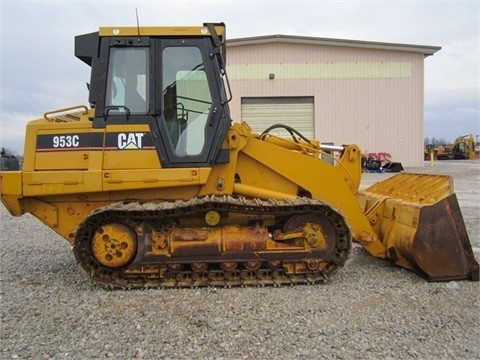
point(369, 310)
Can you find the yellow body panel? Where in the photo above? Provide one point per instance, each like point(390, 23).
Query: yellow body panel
point(162, 178)
point(11, 191)
point(62, 161)
point(140, 159)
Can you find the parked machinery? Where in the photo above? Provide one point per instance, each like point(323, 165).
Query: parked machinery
point(463, 148)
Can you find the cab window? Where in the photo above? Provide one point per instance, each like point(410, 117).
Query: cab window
point(127, 80)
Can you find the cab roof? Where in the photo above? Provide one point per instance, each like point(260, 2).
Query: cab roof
point(160, 30)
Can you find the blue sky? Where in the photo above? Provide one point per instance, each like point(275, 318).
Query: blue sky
point(40, 73)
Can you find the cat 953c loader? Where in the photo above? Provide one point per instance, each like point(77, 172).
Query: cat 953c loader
point(154, 185)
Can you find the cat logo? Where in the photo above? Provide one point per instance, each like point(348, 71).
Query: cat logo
point(130, 141)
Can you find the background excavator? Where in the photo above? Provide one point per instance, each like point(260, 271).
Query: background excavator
point(463, 148)
point(153, 185)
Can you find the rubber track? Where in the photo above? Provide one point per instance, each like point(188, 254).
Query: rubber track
point(136, 213)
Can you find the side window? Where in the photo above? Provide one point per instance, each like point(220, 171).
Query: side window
point(127, 80)
point(186, 98)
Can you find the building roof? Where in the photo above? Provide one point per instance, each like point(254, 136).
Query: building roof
point(424, 49)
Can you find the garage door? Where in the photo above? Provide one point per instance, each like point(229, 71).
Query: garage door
point(296, 112)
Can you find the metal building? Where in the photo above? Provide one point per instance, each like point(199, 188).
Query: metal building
point(337, 91)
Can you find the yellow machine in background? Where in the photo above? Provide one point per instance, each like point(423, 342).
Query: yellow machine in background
point(463, 148)
point(154, 186)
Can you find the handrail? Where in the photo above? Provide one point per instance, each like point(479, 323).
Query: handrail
point(66, 114)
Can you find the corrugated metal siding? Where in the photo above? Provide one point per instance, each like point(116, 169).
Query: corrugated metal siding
point(379, 107)
point(261, 113)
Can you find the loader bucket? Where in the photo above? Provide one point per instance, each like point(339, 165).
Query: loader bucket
point(418, 219)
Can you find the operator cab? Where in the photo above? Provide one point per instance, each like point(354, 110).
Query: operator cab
point(175, 84)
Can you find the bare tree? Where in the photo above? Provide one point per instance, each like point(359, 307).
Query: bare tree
point(9, 160)
point(8, 152)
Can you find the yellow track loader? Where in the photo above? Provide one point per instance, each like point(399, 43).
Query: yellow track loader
point(154, 185)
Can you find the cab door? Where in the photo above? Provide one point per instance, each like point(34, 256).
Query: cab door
point(189, 105)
